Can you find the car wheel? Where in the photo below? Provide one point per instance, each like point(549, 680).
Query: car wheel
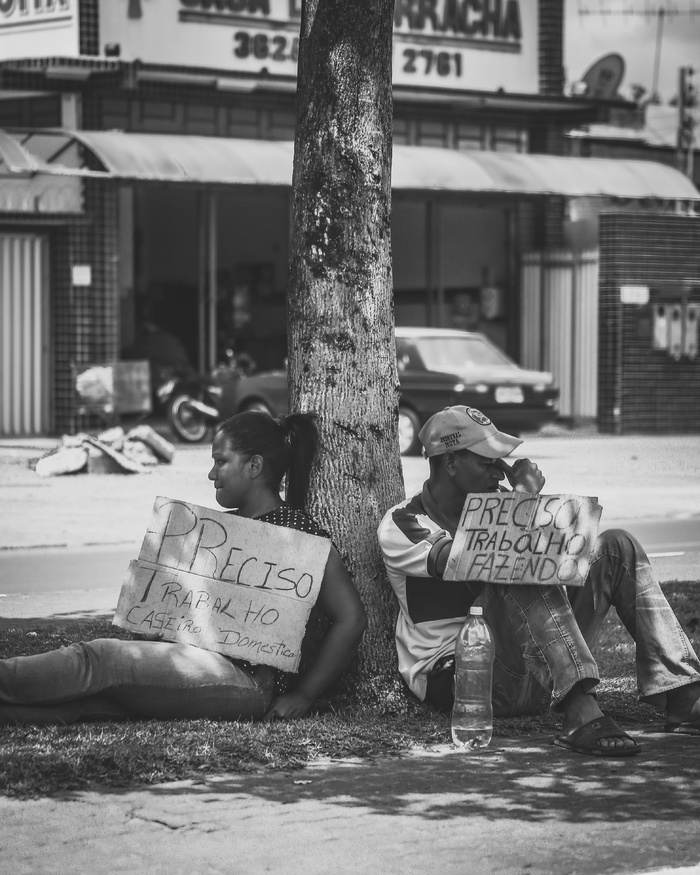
point(409, 426)
point(259, 406)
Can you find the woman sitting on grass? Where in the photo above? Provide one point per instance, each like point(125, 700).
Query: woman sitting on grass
point(110, 679)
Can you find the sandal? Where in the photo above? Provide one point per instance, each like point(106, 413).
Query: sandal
point(586, 739)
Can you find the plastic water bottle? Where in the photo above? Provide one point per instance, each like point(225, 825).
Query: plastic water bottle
point(472, 713)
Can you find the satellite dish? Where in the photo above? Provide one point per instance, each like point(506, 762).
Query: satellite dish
point(604, 77)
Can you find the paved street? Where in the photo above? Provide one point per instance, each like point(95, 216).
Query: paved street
point(634, 478)
point(70, 538)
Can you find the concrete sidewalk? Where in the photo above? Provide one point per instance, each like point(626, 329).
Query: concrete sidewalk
point(521, 806)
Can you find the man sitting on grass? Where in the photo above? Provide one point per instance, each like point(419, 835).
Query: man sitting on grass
point(542, 633)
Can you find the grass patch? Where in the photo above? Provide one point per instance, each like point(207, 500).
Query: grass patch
point(37, 761)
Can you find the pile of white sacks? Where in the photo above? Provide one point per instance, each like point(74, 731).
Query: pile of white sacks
point(114, 451)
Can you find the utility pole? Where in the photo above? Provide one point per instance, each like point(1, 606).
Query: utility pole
point(657, 56)
point(687, 100)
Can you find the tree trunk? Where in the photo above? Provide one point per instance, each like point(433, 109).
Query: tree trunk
point(342, 362)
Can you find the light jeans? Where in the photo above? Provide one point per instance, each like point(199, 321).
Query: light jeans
point(114, 679)
point(543, 635)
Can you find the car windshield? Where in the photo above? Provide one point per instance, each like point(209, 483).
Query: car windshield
point(450, 354)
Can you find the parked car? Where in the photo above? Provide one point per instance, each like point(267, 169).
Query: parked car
point(437, 368)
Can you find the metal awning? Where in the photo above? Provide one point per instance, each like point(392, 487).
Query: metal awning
point(435, 169)
point(226, 161)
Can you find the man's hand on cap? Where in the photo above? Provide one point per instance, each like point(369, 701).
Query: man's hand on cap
point(523, 475)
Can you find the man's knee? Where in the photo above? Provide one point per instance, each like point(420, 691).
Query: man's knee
point(618, 542)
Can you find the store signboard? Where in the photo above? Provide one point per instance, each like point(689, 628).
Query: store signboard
point(460, 44)
point(455, 44)
point(242, 36)
point(38, 29)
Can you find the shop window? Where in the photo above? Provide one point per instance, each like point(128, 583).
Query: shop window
point(282, 125)
point(431, 134)
point(509, 140)
point(115, 114)
point(200, 119)
point(11, 113)
point(32, 113)
point(159, 115)
point(469, 136)
point(243, 123)
point(401, 133)
point(158, 109)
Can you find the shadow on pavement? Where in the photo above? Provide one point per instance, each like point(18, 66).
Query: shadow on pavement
point(526, 780)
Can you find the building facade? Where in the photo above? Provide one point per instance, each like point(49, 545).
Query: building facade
point(146, 151)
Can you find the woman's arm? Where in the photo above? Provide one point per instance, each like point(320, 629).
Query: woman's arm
point(339, 601)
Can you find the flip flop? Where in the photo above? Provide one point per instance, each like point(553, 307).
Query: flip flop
point(586, 739)
point(691, 727)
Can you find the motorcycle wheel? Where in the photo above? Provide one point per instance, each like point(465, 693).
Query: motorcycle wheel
point(187, 423)
point(256, 406)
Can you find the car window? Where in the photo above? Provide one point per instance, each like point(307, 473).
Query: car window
point(407, 356)
point(460, 353)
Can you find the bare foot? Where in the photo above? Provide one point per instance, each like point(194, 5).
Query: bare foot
point(683, 704)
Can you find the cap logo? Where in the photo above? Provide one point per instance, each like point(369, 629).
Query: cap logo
point(450, 440)
point(478, 416)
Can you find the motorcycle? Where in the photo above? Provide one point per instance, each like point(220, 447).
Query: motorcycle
point(191, 402)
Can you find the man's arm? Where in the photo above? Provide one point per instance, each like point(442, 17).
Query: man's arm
point(411, 542)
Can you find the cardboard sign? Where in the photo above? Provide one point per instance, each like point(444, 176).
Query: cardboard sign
point(517, 537)
point(237, 586)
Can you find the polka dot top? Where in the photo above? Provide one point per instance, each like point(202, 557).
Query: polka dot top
point(291, 518)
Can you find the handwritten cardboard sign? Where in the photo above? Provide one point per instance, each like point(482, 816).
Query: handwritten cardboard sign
point(516, 537)
point(237, 586)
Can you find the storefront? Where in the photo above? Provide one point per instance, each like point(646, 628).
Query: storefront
point(175, 138)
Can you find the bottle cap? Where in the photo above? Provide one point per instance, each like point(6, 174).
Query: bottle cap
point(475, 611)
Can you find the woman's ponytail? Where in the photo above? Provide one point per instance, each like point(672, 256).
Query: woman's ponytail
point(302, 437)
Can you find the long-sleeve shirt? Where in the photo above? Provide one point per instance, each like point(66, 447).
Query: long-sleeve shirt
point(432, 610)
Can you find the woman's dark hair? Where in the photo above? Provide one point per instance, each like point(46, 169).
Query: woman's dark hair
point(288, 445)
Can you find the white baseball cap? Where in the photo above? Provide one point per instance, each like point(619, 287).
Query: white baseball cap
point(465, 428)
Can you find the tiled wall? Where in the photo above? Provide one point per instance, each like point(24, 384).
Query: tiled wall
point(85, 319)
point(551, 46)
point(641, 389)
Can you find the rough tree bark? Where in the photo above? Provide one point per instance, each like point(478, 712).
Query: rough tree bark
point(341, 330)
